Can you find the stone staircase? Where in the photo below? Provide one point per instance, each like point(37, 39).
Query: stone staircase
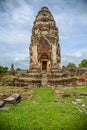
point(44, 80)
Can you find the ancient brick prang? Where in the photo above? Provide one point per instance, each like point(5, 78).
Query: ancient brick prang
point(44, 47)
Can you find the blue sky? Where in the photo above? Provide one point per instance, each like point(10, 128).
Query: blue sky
point(16, 22)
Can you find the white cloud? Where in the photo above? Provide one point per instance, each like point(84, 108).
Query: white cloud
point(23, 15)
point(15, 24)
point(76, 54)
point(63, 58)
point(74, 57)
point(16, 59)
point(13, 36)
point(16, 21)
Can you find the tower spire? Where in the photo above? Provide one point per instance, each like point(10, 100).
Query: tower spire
point(44, 47)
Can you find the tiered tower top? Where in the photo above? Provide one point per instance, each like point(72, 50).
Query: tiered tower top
point(44, 25)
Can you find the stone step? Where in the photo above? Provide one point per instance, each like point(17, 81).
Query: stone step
point(44, 80)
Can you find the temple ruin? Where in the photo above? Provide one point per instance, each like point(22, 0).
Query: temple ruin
point(44, 48)
point(45, 58)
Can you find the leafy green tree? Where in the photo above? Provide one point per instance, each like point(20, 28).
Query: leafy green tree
point(3, 69)
point(71, 65)
point(18, 69)
point(83, 63)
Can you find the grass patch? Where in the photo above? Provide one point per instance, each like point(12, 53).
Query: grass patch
point(81, 89)
point(9, 78)
point(6, 91)
point(42, 113)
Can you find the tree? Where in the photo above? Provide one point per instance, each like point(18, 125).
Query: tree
point(71, 65)
point(18, 69)
point(83, 63)
point(3, 69)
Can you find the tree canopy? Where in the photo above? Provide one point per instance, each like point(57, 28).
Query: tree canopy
point(83, 63)
point(71, 65)
point(3, 69)
point(18, 69)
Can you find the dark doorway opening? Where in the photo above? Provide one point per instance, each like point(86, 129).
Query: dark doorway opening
point(44, 65)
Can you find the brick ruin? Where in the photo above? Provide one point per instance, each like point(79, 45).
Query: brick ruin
point(45, 54)
point(44, 47)
point(45, 58)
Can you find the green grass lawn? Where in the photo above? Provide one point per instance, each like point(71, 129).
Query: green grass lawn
point(42, 113)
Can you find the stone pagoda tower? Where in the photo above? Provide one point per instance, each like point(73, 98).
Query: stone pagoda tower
point(44, 47)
